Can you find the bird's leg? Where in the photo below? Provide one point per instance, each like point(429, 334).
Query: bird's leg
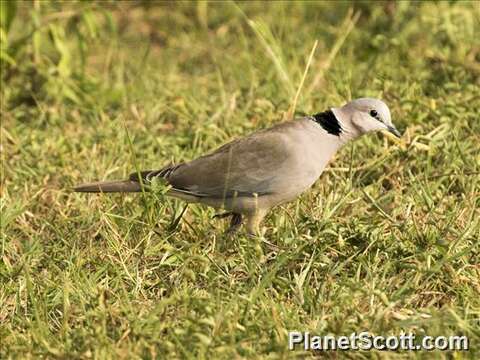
point(253, 221)
point(235, 223)
point(174, 224)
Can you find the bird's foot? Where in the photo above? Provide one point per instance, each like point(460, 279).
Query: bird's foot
point(235, 224)
point(222, 215)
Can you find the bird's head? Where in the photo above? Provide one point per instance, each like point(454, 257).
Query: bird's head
point(366, 115)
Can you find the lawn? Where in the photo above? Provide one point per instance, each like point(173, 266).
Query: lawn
point(388, 239)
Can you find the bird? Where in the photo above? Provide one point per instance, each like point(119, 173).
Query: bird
point(249, 176)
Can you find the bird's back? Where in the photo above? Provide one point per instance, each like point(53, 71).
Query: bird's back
point(285, 159)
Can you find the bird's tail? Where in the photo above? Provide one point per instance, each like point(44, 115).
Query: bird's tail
point(120, 186)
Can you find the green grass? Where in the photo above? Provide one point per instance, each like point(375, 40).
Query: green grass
point(387, 240)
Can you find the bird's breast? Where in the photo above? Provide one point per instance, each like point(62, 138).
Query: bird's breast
point(313, 151)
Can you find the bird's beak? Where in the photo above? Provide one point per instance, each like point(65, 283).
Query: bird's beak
point(394, 130)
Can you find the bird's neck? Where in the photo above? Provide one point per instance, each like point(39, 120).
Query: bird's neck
point(329, 122)
point(348, 131)
point(337, 122)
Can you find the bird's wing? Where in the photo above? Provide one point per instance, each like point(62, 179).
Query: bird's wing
point(244, 167)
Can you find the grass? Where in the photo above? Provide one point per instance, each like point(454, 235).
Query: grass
point(387, 240)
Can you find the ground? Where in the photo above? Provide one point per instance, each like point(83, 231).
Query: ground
point(386, 241)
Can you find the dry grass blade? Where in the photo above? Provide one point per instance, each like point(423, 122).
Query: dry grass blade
point(344, 30)
point(291, 111)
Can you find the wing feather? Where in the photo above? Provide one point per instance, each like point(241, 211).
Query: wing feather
point(243, 167)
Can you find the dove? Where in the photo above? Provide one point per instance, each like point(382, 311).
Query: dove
point(249, 176)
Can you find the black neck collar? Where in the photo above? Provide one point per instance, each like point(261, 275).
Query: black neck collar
point(328, 121)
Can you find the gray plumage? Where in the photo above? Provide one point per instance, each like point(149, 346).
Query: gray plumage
point(251, 175)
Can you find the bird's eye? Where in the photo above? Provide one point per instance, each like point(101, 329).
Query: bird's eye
point(373, 113)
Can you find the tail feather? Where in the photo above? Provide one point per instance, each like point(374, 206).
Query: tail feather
point(110, 187)
point(130, 185)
